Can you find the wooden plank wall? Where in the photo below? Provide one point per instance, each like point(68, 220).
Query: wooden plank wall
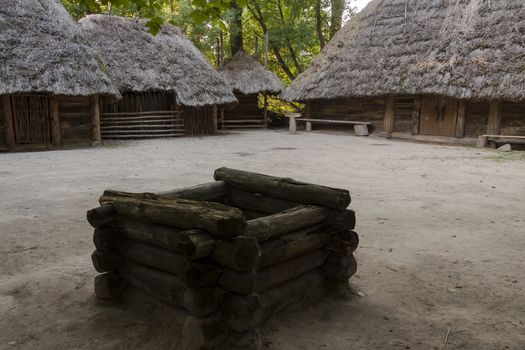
point(477, 118)
point(248, 108)
point(2, 130)
point(513, 118)
point(403, 110)
point(75, 120)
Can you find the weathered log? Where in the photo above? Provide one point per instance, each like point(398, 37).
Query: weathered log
point(242, 282)
point(219, 220)
point(106, 239)
point(102, 216)
point(277, 274)
point(340, 267)
point(344, 242)
point(285, 222)
point(257, 202)
point(293, 245)
point(248, 282)
point(109, 286)
point(191, 273)
point(170, 289)
point(279, 297)
point(211, 192)
point(204, 333)
point(242, 312)
point(341, 220)
point(252, 215)
point(284, 188)
point(192, 243)
point(106, 262)
point(241, 253)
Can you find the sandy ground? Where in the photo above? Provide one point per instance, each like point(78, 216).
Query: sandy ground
point(442, 242)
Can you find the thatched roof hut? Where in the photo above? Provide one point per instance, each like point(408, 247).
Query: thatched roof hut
point(168, 87)
point(465, 50)
point(248, 78)
point(45, 59)
point(168, 61)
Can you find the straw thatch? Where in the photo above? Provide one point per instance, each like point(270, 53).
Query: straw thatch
point(167, 62)
point(458, 48)
point(246, 75)
point(43, 51)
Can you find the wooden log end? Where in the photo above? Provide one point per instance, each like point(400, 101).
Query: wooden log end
point(241, 253)
point(102, 216)
point(106, 239)
point(244, 282)
point(341, 220)
point(106, 262)
point(109, 286)
point(339, 267)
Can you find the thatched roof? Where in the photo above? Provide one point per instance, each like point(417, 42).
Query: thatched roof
point(42, 50)
point(458, 48)
point(246, 75)
point(169, 62)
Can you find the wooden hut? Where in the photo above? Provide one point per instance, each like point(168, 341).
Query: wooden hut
point(50, 79)
point(168, 87)
point(248, 79)
point(428, 67)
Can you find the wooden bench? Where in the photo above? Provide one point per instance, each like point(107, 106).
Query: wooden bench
point(360, 128)
point(485, 140)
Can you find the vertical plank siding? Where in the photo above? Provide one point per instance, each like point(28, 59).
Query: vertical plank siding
point(246, 114)
point(513, 118)
point(2, 128)
point(75, 120)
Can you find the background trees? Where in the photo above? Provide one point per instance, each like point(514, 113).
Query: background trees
point(296, 29)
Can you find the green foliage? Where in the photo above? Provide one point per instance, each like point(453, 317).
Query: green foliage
point(209, 24)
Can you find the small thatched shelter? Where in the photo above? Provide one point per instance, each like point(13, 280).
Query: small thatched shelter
point(168, 87)
point(429, 67)
point(248, 79)
point(50, 78)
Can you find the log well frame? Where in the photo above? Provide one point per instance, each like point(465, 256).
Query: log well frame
point(194, 249)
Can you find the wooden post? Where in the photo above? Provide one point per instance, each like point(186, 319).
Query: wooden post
point(55, 121)
point(95, 119)
point(293, 125)
point(215, 114)
point(416, 115)
point(494, 123)
point(461, 119)
point(265, 109)
point(222, 118)
point(389, 114)
point(308, 126)
point(8, 124)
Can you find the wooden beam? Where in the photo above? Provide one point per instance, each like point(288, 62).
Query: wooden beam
point(9, 128)
point(461, 119)
point(54, 108)
point(215, 116)
point(494, 123)
point(95, 119)
point(266, 108)
point(389, 114)
point(416, 115)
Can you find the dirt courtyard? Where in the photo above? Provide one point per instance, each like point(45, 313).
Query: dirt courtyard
point(442, 248)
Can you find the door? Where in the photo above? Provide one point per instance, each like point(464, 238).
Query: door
point(439, 116)
point(31, 119)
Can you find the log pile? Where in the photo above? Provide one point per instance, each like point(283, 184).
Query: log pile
point(195, 249)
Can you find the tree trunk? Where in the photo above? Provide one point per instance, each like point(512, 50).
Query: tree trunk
point(106, 262)
point(236, 28)
point(336, 17)
point(102, 216)
point(210, 192)
point(319, 24)
point(285, 188)
point(257, 202)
